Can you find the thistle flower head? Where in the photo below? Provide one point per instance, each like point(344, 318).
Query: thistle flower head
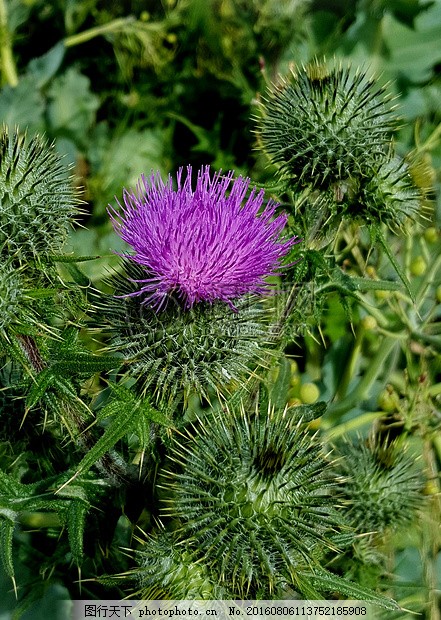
point(204, 244)
point(203, 349)
point(322, 126)
point(255, 499)
point(37, 203)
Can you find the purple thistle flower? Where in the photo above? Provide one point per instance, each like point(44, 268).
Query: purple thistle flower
point(207, 244)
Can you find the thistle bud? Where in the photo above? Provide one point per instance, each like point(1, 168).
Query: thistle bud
point(37, 203)
point(324, 126)
point(255, 499)
point(384, 487)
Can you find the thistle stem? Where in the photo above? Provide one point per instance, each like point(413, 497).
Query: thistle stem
point(336, 410)
point(351, 365)
point(87, 35)
point(8, 68)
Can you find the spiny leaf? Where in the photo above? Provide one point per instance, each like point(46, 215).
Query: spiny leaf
point(76, 519)
point(328, 582)
point(124, 422)
point(377, 233)
point(279, 391)
point(77, 275)
point(65, 258)
point(85, 363)
point(44, 380)
point(308, 413)
point(9, 486)
point(6, 537)
point(354, 283)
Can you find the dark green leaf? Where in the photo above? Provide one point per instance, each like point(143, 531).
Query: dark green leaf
point(328, 582)
point(6, 537)
point(76, 519)
point(44, 380)
point(279, 391)
point(45, 67)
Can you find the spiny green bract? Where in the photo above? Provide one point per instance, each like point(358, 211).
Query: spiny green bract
point(204, 349)
point(255, 498)
point(37, 203)
point(324, 126)
point(169, 570)
point(11, 295)
point(383, 486)
point(389, 196)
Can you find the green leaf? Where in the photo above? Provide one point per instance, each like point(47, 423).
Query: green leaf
point(72, 106)
point(6, 537)
point(414, 52)
point(9, 486)
point(76, 520)
point(77, 275)
point(85, 363)
point(73, 259)
point(308, 413)
point(124, 422)
point(22, 106)
point(44, 380)
point(43, 68)
point(354, 283)
point(120, 162)
point(328, 582)
point(278, 394)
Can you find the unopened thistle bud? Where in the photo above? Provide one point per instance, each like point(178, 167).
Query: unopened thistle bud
point(37, 202)
point(384, 487)
point(323, 126)
point(254, 497)
point(169, 570)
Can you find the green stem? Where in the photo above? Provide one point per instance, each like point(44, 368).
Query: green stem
point(430, 535)
point(431, 141)
point(352, 425)
point(336, 410)
point(351, 365)
point(429, 277)
point(87, 35)
point(8, 68)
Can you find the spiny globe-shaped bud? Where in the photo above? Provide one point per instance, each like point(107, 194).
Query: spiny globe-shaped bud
point(254, 497)
point(37, 202)
point(204, 349)
point(384, 487)
point(213, 242)
point(322, 126)
point(169, 570)
point(387, 197)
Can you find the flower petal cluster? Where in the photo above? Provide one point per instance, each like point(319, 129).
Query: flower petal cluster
point(215, 242)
